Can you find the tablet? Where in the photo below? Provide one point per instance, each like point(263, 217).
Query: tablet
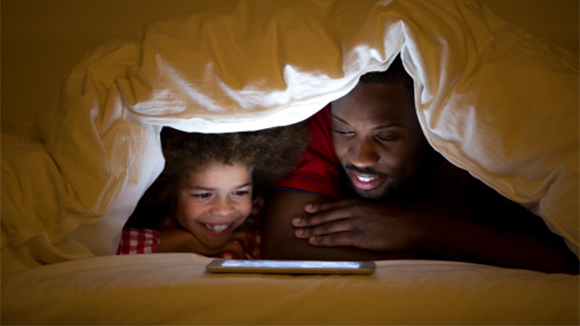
point(290, 266)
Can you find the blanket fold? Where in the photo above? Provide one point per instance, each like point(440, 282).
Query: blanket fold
point(492, 98)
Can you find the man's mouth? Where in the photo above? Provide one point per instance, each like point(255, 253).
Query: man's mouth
point(366, 181)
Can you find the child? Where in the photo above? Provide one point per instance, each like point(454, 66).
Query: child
point(207, 190)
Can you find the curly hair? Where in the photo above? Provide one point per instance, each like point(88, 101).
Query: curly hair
point(271, 153)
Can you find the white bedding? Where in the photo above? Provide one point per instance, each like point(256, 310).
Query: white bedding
point(492, 98)
point(175, 289)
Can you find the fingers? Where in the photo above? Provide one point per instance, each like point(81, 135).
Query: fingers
point(314, 208)
point(236, 247)
point(320, 218)
point(237, 243)
point(333, 240)
point(326, 212)
point(331, 224)
point(242, 237)
point(344, 225)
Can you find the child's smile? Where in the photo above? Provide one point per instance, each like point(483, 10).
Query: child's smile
point(218, 228)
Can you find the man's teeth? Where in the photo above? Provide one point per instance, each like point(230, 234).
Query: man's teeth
point(217, 228)
point(365, 179)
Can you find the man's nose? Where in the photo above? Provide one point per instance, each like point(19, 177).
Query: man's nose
point(364, 154)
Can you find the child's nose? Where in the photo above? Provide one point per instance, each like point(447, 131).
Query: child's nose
point(222, 207)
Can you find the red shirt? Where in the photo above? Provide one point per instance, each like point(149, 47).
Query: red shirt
point(319, 170)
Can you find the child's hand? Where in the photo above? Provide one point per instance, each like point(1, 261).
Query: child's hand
point(180, 240)
point(237, 244)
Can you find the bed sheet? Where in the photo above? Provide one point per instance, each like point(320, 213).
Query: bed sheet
point(162, 289)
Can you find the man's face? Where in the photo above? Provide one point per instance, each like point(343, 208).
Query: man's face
point(377, 137)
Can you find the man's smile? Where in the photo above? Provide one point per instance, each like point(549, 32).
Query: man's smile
point(365, 179)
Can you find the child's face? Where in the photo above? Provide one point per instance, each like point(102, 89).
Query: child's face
point(213, 202)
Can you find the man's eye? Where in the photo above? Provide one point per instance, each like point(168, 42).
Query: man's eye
point(241, 193)
point(202, 195)
point(386, 138)
point(343, 132)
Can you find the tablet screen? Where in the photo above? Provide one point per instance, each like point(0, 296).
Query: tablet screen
point(290, 264)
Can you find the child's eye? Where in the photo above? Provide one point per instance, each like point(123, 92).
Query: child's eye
point(202, 195)
point(241, 193)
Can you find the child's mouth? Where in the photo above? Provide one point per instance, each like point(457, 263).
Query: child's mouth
point(218, 229)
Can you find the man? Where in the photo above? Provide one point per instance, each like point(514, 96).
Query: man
point(371, 187)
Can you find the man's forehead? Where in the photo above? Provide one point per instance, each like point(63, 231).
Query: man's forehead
point(377, 115)
point(375, 101)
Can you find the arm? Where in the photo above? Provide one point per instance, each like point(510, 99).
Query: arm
point(380, 227)
point(181, 240)
point(465, 240)
point(177, 240)
point(279, 240)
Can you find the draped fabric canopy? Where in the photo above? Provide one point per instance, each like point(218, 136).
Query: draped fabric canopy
point(490, 97)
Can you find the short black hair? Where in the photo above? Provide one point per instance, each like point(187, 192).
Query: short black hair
point(395, 73)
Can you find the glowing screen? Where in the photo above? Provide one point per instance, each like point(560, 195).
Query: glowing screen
point(290, 264)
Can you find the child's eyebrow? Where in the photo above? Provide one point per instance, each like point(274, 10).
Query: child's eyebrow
point(212, 189)
point(200, 188)
point(244, 185)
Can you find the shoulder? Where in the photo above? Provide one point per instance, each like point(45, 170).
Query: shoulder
point(320, 132)
point(318, 169)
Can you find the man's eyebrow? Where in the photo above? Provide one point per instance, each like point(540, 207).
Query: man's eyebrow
point(389, 126)
point(339, 119)
point(375, 128)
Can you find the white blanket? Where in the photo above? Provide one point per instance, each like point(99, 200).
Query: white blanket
point(175, 289)
point(491, 98)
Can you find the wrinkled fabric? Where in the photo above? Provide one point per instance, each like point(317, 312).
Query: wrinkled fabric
point(490, 97)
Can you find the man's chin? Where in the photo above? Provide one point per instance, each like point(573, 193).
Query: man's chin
point(376, 194)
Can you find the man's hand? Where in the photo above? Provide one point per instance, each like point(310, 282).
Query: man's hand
point(357, 223)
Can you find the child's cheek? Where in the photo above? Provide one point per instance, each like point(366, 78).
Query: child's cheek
point(247, 210)
point(189, 212)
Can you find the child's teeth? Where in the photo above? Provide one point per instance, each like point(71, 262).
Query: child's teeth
point(217, 228)
point(220, 228)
